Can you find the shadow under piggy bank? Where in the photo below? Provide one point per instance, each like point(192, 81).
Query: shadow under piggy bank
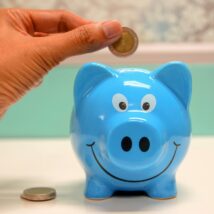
point(71, 194)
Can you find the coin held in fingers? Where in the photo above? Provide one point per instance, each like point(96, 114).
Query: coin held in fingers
point(39, 194)
point(126, 45)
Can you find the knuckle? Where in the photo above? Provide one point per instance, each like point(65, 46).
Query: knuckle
point(85, 37)
point(13, 15)
point(15, 11)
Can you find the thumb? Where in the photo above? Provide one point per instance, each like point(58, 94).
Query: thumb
point(84, 39)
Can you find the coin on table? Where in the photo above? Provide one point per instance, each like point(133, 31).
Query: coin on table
point(39, 194)
point(126, 45)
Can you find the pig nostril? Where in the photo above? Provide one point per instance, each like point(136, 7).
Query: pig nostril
point(126, 144)
point(144, 144)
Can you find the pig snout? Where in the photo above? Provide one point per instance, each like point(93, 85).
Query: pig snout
point(134, 144)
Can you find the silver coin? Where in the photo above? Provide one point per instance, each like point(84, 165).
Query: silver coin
point(39, 194)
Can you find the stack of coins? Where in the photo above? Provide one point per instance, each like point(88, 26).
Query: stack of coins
point(39, 194)
point(126, 45)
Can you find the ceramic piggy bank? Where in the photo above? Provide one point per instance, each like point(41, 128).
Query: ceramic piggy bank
point(131, 128)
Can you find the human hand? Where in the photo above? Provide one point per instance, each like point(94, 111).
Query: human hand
point(34, 41)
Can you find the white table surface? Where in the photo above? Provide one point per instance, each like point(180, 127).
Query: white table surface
point(44, 162)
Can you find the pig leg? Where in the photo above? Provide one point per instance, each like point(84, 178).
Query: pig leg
point(163, 189)
point(96, 189)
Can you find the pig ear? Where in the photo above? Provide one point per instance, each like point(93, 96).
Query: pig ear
point(88, 77)
point(176, 76)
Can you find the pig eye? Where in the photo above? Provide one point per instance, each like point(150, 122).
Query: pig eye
point(120, 102)
point(148, 103)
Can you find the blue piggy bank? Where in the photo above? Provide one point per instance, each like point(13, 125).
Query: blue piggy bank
point(131, 128)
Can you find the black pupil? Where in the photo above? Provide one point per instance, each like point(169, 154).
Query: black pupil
point(144, 144)
point(122, 105)
point(146, 106)
point(126, 144)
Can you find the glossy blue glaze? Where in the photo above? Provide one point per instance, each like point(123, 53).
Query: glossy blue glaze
point(131, 127)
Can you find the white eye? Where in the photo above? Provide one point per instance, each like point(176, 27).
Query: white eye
point(148, 103)
point(120, 102)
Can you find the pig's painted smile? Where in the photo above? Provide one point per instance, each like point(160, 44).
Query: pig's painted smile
point(133, 181)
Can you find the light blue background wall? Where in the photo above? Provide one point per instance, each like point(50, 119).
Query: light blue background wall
point(46, 110)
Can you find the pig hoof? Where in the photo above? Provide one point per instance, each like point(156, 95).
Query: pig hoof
point(97, 199)
point(163, 190)
point(162, 199)
point(97, 196)
point(97, 190)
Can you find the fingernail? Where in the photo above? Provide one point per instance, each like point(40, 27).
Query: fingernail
point(111, 29)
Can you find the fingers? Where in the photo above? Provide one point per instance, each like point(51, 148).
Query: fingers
point(84, 39)
point(46, 21)
point(53, 21)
